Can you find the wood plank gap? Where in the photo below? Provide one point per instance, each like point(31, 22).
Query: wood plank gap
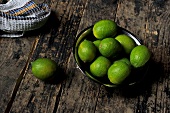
point(156, 97)
point(115, 16)
point(23, 72)
point(57, 100)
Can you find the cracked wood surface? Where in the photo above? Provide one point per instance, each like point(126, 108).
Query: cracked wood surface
point(21, 92)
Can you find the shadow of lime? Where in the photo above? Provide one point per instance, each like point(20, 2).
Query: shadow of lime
point(155, 71)
point(58, 77)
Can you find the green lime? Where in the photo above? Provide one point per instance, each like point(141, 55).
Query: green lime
point(139, 56)
point(109, 47)
point(100, 66)
point(104, 28)
point(127, 43)
point(126, 60)
point(87, 51)
point(118, 71)
point(43, 68)
point(97, 43)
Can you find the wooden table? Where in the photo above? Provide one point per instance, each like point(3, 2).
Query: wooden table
point(21, 92)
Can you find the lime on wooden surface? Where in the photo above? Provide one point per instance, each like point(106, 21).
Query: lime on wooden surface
point(43, 68)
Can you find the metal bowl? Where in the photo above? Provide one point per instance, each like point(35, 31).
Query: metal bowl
point(136, 75)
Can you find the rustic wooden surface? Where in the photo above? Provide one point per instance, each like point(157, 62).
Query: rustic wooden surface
point(21, 92)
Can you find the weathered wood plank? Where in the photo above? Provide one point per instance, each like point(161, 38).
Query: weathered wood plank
point(55, 42)
point(80, 94)
point(124, 100)
point(97, 10)
point(158, 40)
point(141, 18)
point(13, 57)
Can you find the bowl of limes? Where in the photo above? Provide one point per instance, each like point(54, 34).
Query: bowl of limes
point(111, 55)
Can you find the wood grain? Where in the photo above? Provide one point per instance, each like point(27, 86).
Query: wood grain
point(81, 94)
point(140, 17)
point(13, 58)
point(71, 91)
point(55, 42)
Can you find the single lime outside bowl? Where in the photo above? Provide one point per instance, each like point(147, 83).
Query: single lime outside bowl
point(136, 76)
